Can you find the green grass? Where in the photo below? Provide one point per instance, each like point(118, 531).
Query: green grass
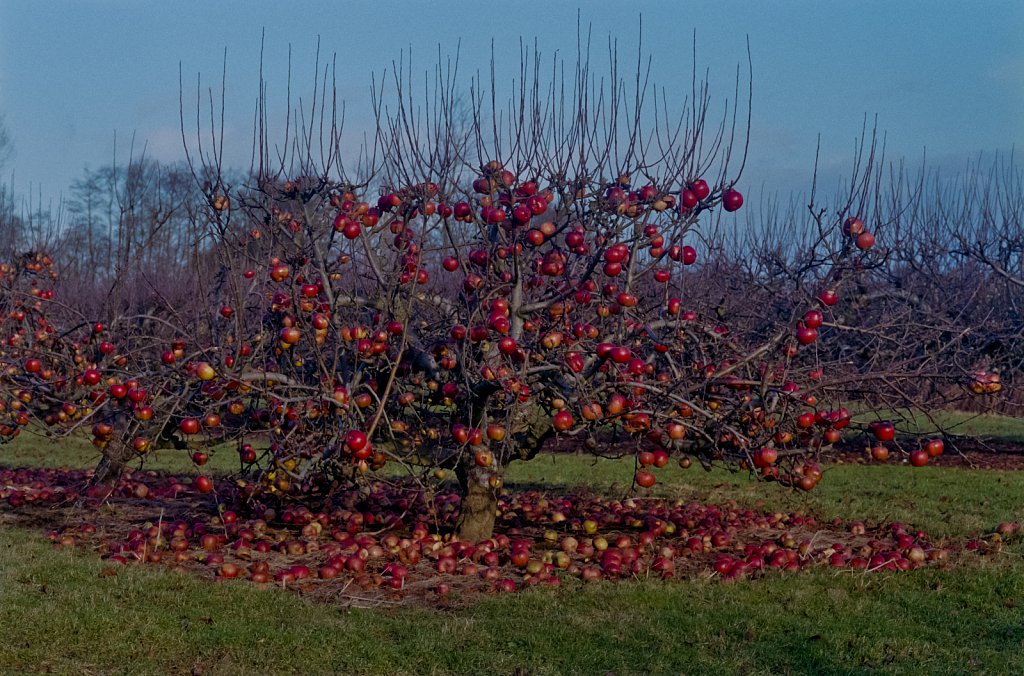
point(942, 501)
point(60, 613)
point(31, 450)
point(988, 426)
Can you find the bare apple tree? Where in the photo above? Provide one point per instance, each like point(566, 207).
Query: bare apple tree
point(480, 275)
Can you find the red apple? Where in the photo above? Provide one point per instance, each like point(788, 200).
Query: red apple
point(699, 188)
point(562, 421)
point(645, 479)
point(731, 200)
point(865, 241)
point(203, 484)
point(189, 426)
point(919, 457)
point(883, 430)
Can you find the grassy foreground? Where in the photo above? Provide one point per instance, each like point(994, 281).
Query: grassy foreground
point(59, 612)
point(68, 612)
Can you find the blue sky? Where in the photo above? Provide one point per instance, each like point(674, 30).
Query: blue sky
point(946, 76)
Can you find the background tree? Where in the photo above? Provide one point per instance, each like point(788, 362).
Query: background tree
point(6, 143)
point(10, 224)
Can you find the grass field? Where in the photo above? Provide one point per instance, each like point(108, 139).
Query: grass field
point(31, 450)
point(979, 425)
point(61, 611)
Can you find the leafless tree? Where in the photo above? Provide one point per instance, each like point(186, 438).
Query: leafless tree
point(477, 278)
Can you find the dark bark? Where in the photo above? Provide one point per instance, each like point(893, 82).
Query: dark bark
point(112, 463)
point(530, 431)
point(479, 498)
point(479, 503)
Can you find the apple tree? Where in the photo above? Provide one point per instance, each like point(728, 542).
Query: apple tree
point(477, 282)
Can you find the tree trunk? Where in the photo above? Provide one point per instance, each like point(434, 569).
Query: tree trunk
point(479, 498)
point(479, 503)
point(111, 464)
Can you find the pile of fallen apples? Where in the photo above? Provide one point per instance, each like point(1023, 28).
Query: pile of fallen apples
point(393, 537)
